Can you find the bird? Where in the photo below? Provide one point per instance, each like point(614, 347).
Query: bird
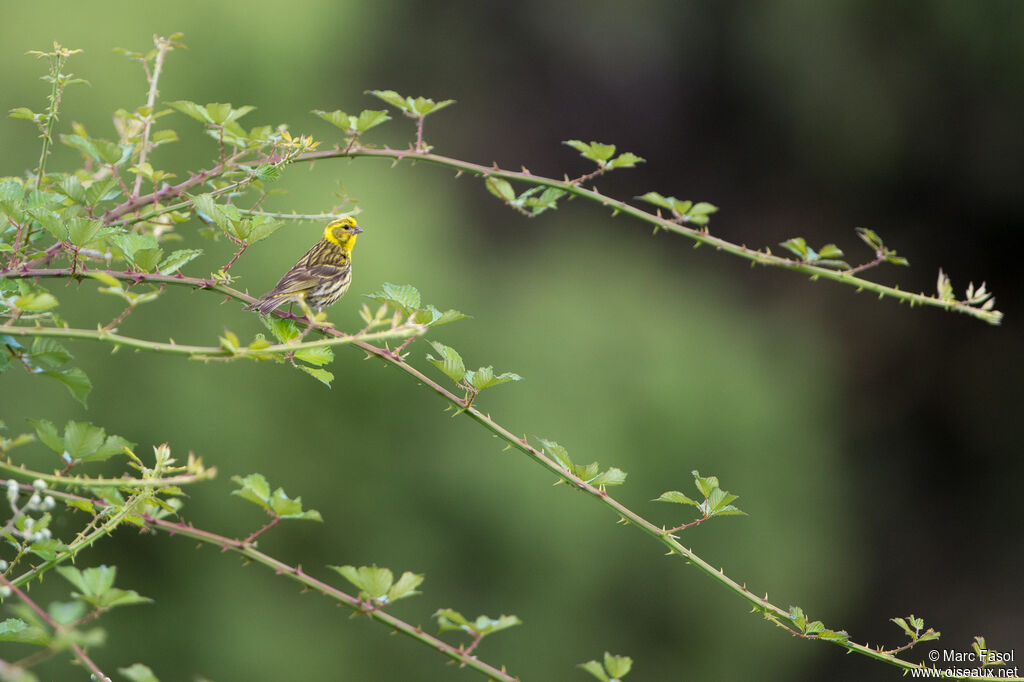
point(321, 276)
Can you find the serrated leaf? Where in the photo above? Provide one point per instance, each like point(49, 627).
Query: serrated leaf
point(625, 160)
point(48, 435)
point(370, 118)
point(500, 188)
point(267, 173)
point(406, 586)
point(871, 238)
point(705, 484)
point(719, 499)
point(337, 118)
point(595, 669)
point(254, 488)
point(47, 550)
point(147, 259)
point(176, 260)
point(81, 440)
point(371, 580)
point(262, 227)
point(192, 110)
point(47, 351)
point(137, 672)
point(613, 476)
point(450, 362)
point(113, 445)
point(75, 380)
point(17, 630)
point(392, 98)
point(218, 112)
point(319, 355)
point(676, 497)
point(657, 200)
point(321, 375)
point(796, 245)
point(485, 378)
point(450, 619)
point(617, 666)
point(830, 251)
point(701, 208)
point(35, 303)
point(23, 113)
point(560, 454)
point(404, 298)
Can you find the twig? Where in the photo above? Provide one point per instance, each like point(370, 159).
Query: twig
point(57, 629)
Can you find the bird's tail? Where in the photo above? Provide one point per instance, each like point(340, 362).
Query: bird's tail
point(265, 305)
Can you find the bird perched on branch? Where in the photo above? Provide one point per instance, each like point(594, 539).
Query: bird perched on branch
point(321, 276)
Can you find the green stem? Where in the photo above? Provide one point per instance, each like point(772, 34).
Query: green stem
point(755, 256)
point(204, 352)
point(162, 46)
point(124, 482)
point(297, 574)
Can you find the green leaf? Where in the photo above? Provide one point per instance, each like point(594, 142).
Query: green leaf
point(485, 378)
point(23, 113)
point(47, 433)
point(138, 672)
point(283, 330)
point(17, 630)
point(676, 497)
point(66, 612)
point(595, 669)
point(81, 231)
point(177, 259)
point(369, 118)
point(76, 381)
point(871, 238)
point(192, 110)
point(113, 445)
point(129, 244)
point(406, 586)
point(254, 488)
point(320, 355)
point(267, 173)
point(47, 550)
point(560, 454)
point(35, 303)
point(392, 98)
point(404, 298)
point(706, 484)
point(46, 351)
point(321, 375)
point(614, 476)
point(625, 160)
point(372, 581)
point(450, 362)
point(796, 245)
point(595, 151)
point(147, 259)
point(262, 227)
point(96, 587)
point(830, 251)
point(500, 188)
point(617, 666)
point(657, 200)
point(81, 440)
point(337, 118)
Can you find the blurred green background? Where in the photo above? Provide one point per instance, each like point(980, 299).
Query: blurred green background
point(875, 448)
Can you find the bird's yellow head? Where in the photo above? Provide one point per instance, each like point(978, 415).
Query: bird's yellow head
point(342, 232)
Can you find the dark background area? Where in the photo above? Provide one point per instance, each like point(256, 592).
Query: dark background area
point(875, 448)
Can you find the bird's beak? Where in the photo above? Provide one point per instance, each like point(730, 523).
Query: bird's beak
point(357, 229)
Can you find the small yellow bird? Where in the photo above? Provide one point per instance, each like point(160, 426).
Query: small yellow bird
point(321, 276)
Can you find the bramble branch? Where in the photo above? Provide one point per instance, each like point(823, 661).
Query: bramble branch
point(698, 235)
